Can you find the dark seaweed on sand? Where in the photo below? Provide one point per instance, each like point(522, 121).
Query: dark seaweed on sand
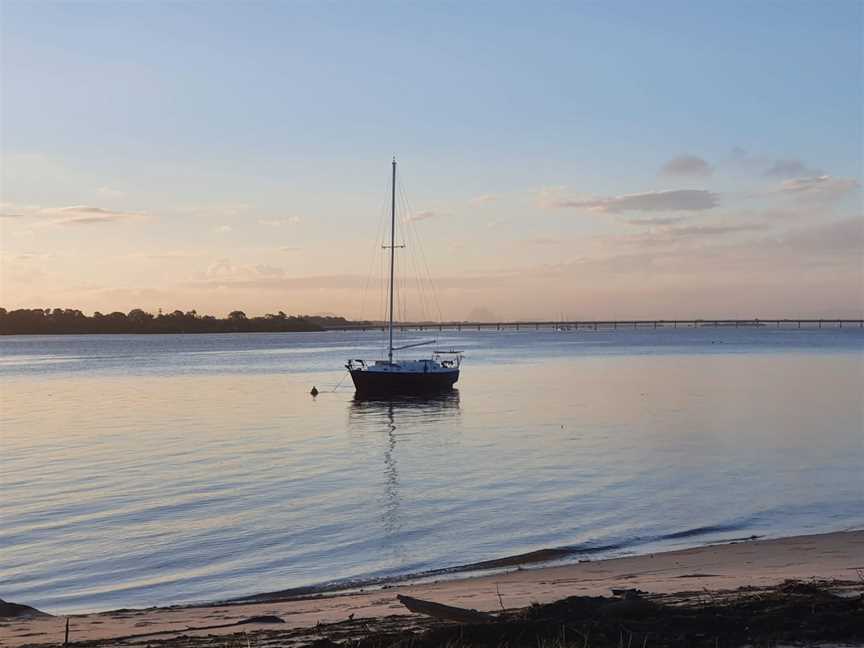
point(793, 612)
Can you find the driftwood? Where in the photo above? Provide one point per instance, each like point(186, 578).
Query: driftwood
point(445, 612)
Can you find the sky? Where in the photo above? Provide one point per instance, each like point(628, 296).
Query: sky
point(560, 160)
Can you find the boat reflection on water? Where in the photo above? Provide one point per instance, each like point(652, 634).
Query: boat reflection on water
point(405, 410)
point(397, 419)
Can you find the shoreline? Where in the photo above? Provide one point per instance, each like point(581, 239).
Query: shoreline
point(537, 559)
point(743, 563)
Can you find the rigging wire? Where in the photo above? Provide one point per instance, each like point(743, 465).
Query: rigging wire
point(373, 258)
point(377, 271)
point(415, 266)
point(404, 276)
point(426, 271)
point(416, 271)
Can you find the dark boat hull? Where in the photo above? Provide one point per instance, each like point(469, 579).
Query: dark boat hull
point(398, 383)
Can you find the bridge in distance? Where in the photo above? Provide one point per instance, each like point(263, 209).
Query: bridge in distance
point(595, 325)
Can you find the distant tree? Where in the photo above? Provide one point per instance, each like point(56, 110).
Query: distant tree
point(139, 316)
point(71, 320)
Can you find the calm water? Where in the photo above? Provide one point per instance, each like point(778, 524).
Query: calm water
point(163, 469)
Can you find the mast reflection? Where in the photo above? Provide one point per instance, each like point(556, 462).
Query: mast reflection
point(398, 417)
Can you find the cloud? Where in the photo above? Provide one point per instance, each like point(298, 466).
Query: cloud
point(485, 199)
point(73, 214)
point(224, 210)
point(25, 259)
point(268, 271)
point(80, 208)
point(844, 236)
point(790, 169)
point(738, 153)
point(291, 220)
point(110, 193)
point(89, 220)
point(673, 200)
point(423, 215)
point(713, 230)
point(171, 254)
point(673, 236)
point(770, 167)
point(783, 213)
point(223, 276)
point(834, 244)
point(659, 220)
point(818, 183)
point(223, 272)
point(550, 196)
point(687, 165)
point(818, 188)
point(87, 215)
point(220, 268)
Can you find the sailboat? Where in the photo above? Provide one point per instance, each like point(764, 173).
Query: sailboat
point(403, 377)
point(563, 326)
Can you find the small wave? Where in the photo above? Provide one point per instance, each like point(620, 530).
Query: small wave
point(17, 361)
point(705, 530)
point(538, 557)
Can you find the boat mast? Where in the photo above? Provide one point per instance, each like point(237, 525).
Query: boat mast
point(392, 257)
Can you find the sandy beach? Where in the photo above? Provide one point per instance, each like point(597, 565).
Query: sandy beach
point(750, 563)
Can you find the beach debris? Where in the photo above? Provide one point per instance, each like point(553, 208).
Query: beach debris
point(10, 610)
point(444, 612)
point(324, 642)
point(794, 611)
point(809, 613)
point(264, 618)
point(314, 391)
point(627, 593)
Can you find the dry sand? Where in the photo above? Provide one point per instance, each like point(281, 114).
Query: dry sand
point(758, 563)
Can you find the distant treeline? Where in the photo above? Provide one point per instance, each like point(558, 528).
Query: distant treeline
point(28, 321)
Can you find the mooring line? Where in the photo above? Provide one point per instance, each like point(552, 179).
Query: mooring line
point(339, 384)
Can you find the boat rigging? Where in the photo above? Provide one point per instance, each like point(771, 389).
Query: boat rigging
point(433, 374)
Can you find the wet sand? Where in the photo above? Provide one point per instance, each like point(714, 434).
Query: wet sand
point(751, 563)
